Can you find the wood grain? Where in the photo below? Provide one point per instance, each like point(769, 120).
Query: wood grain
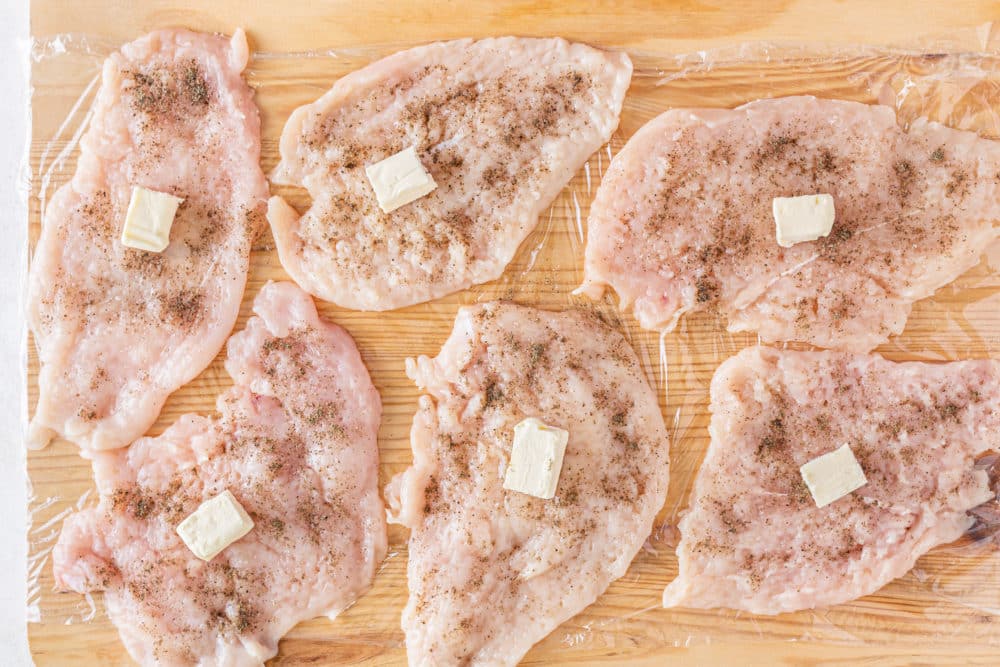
point(304, 47)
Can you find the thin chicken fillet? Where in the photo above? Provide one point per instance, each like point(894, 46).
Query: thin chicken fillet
point(493, 571)
point(754, 539)
point(682, 221)
point(118, 329)
point(500, 124)
point(296, 445)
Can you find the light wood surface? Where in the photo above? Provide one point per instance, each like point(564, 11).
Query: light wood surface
point(305, 46)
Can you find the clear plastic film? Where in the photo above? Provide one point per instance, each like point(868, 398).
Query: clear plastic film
point(950, 597)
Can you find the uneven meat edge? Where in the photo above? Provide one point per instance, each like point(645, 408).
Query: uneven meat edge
point(119, 429)
point(629, 159)
point(283, 218)
point(406, 496)
point(279, 307)
point(934, 529)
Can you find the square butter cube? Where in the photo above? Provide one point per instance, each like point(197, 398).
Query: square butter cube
point(833, 475)
point(804, 218)
point(399, 179)
point(536, 458)
point(149, 219)
point(217, 523)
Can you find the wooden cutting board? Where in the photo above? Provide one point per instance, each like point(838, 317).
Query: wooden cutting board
point(305, 47)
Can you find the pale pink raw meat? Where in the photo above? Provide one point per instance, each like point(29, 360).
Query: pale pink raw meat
point(501, 125)
point(296, 445)
point(119, 329)
point(682, 220)
point(491, 572)
point(753, 538)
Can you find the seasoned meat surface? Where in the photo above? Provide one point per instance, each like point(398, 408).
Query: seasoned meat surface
point(118, 329)
point(753, 538)
point(296, 445)
point(491, 571)
point(500, 124)
point(682, 221)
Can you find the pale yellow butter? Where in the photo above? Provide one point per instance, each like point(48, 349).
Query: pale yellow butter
point(536, 458)
point(149, 219)
point(805, 218)
point(399, 179)
point(217, 523)
point(833, 475)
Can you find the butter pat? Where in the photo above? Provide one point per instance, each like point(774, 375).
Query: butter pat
point(832, 476)
point(399, 179)
point(149, 218)
point(804, 218)
point(536, 458)
point(217, 523)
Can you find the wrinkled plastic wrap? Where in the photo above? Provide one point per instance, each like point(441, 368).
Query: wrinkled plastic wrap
point(952, 596)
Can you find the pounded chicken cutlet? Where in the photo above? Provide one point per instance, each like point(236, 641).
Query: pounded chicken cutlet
point(118, 329)
point(682, 221)
point(492, 571)
point(754, 539)
point(296, 445)
point(500, 124)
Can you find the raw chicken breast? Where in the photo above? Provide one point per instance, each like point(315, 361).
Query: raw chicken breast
point(119, 329)
point(683, 222)
point(754, 539)
point(493, 571)
point(501, 125)
point(296, 445)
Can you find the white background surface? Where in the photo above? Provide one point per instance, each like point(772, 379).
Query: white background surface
point(13, 197)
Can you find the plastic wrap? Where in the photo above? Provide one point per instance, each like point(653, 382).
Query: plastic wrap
point(951, 596)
